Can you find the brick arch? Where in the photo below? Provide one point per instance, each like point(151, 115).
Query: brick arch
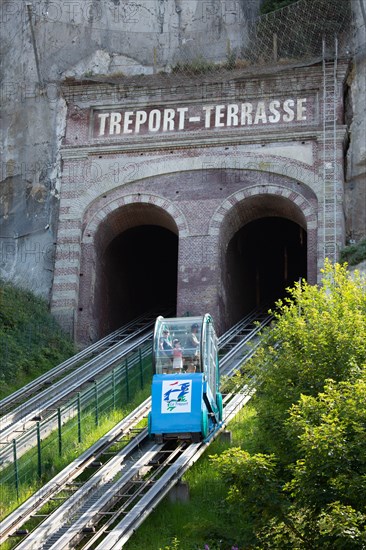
point(101, 210)
point(102, 222)
point(197, 161)
point(263, 201)
point(303, 209)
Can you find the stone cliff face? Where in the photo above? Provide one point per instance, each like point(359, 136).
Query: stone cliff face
point(45, 42)
point(356, 119)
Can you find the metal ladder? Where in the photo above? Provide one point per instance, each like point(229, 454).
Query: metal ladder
point(330, 166)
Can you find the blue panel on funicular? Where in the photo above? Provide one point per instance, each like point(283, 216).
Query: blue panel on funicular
point(185, 398)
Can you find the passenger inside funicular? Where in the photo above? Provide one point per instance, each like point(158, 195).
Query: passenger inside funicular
point(177, 346)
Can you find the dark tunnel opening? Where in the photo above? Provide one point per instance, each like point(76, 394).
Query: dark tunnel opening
point(140, 273)
point(264, 258)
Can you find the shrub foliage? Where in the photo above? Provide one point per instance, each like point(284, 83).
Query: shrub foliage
point(305, 486)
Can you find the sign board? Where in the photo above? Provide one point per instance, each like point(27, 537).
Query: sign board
point(176, 396)
point(195, 118)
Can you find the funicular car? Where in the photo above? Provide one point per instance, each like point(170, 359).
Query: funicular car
point(186, 401)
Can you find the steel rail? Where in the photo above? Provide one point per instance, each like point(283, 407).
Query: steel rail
point(127, 527)
point(16, 422)
point(240, 350)
point(28, 438)
point(138, 476)
point(18, 517)
point(47, 400)
point(81, 513)
point(125, 331)
point(242, 326)
point(12, 523)
point(33, 405)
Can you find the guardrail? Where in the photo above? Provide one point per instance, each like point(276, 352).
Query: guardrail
point(22, 462)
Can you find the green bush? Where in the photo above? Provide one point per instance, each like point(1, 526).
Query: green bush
point(304, 487)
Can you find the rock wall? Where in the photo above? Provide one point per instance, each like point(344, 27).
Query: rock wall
point(356, 155)
point(46, 41)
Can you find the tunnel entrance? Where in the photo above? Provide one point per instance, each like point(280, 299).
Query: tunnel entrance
point(140, 273)
point(263, 258)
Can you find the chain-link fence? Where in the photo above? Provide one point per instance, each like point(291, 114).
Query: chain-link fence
point(28, 461)
point(289, 35)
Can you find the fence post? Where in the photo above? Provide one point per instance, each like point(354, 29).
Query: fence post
point(127, 384)
point(96, 403)
point(59, 431)
point(275, 47)
point(114, 388)
point(39, 450)
point(16, 473)
point(155, 60)
point(141, 369)
point(78, 403)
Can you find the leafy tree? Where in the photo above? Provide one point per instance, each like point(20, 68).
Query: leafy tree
point(320, 333)
point(305, 486)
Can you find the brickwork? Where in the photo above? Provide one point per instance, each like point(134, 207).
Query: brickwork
point(202, 186)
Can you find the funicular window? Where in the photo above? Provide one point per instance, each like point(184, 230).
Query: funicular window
point(210, 346)
point(177, 345)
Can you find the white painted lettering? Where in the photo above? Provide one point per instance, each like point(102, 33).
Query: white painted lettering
point(182, 111)
point(115, 123)
point(127, 122)
point(103, 117)
point(260, 115)
point(219, 115)
point(287, 107)
point(232, 118)
point(301, 109)
point(246, 114)
point(168, 120)
point(154, 120)
point(208, 111)
point(273, 108)
point(141, 118)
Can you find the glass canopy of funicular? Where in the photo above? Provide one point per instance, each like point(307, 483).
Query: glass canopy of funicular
point(178, 345)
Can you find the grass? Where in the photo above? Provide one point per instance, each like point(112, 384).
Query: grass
point(203, 519)
point(53, 463)
point(198, 65)
point(31, 342)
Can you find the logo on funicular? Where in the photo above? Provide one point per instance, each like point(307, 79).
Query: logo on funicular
point(176, 396)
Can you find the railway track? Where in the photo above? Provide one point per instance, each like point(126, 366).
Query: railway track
point(136, 477)
point(62, 384)
point(65, 380)
point(110, 505)
point(125, 333)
